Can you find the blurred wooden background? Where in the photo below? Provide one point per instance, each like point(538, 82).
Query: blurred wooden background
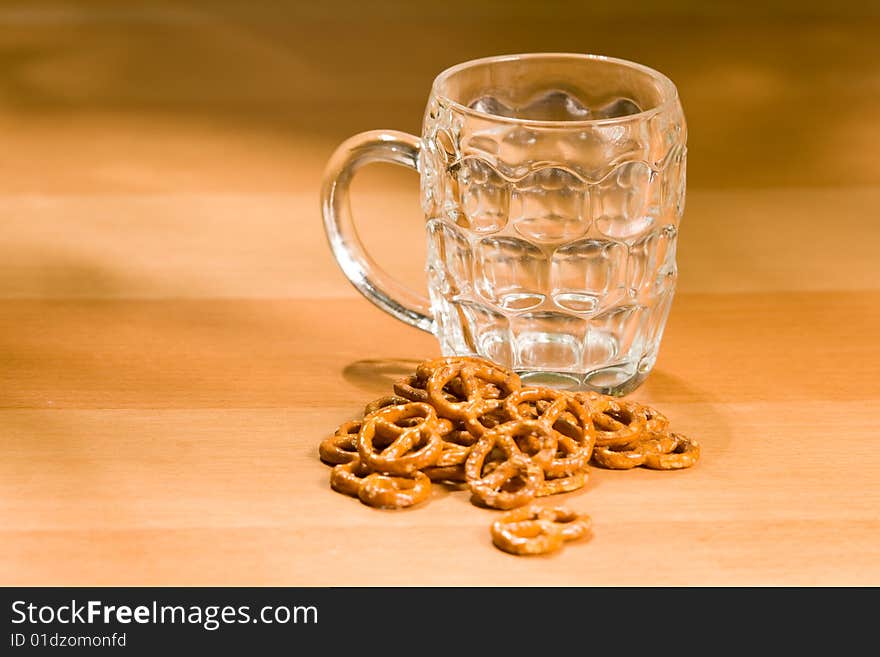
point(154, 131)
point(164, 277)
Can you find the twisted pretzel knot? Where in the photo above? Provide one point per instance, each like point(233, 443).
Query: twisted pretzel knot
point(565, 417)
point(455, 388)
point(379, 490)
point(617, 422)
point(514, 477)
point(480, 386)
point(532, 530)
point(629, 435)
point(413, 387)
point(399, 440)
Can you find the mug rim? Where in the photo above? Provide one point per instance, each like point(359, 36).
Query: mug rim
point(669, 90)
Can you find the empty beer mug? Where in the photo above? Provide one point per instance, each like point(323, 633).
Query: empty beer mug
point(553, 186)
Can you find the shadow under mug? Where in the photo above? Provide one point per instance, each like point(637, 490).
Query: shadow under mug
point(553, 186)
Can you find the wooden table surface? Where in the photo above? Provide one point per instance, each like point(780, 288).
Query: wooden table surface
point(175, 337)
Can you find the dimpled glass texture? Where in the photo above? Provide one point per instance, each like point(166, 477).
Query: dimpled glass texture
point(553, 188)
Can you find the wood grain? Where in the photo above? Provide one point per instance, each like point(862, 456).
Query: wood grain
point(175, 337)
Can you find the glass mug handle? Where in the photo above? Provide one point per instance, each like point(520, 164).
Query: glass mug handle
point(370, 280)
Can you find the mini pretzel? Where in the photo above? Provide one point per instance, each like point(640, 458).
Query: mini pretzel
point(395, 400)
point(632, 455)
point(413, 387)
point(388, 492)
point(382, 402)
point(474, 381)
point(513, 481)
point(568, 420)
point(408, 438)
point(454, 390)
point(685, 453)
point(347, 478)
point(536, 404)
point(341, 447)
point(533, 530)
point(617, 422)
point(455, 386)
point(526, 537)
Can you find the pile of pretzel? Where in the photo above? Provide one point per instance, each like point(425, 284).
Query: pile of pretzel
point(466, 420)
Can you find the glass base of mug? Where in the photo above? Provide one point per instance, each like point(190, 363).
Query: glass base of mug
point(616, 381)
